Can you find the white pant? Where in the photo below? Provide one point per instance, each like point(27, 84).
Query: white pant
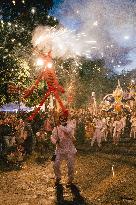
point(70, 158)
point(97, 136)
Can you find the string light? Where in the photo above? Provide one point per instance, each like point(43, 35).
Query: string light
point(2, 22)
point(13, 2)
point(12, 39)
point(9, 24)
point(33, 10)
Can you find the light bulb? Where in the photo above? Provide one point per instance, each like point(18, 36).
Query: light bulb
point(33, 10)
point(13, 2)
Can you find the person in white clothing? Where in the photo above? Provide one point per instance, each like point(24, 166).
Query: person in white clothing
point(133, 126)
point(104, 129)
point(123, 120)
point(62, 136)
point(111, 121)
point(98, 132)
point(117, 130)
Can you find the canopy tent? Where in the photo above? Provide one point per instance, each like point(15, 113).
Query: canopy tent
point(14, 107)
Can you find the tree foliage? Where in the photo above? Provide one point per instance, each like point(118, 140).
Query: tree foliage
point(17, 24)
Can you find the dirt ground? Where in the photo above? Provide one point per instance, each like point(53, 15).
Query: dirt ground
point(103, 176)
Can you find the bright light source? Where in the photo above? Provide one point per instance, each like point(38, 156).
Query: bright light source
point(13, 40)
point(49, 65)
point(91, 42)
point(126, 37)
point(95, 23)
point(33, 10)
point(9, 24)
point(14, 2)
point(40, 62)
point(132, 81)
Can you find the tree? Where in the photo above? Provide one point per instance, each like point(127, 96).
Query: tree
point(93, 77)
point(19, 18)
point(80, 77)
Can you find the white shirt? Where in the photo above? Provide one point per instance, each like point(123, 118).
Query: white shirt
point(63, 134)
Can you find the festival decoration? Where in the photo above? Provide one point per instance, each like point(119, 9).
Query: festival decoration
point(49, 76)
point(118, 96)
point(118, 93)
point(114, 102)
point(118, 107)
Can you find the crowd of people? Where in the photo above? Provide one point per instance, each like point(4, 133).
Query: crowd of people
point(16, 138)
point(20, 137)
point(112, 126)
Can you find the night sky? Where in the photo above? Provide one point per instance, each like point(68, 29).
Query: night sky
point(111, 24)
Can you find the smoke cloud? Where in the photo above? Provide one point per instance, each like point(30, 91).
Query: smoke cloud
point(95, 29)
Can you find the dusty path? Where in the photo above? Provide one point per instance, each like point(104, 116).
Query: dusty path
point(103, 177)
